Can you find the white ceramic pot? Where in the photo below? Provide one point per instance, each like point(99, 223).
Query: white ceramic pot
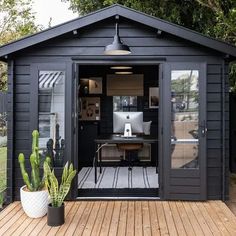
point(35, 204)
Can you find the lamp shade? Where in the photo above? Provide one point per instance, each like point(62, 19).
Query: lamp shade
point(117, 47)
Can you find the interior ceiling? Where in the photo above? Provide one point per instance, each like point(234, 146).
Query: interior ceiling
point(97, 68)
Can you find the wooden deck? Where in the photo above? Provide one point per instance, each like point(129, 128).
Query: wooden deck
point(231, 203)
point(126, 218)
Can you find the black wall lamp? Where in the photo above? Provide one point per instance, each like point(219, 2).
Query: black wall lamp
point(117, 47)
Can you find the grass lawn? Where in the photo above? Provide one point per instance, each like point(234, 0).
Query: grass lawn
point(3, 167)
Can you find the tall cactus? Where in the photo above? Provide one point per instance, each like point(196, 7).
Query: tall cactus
point(58, 193)
point(35, 183)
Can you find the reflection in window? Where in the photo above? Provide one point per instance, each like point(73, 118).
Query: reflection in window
point(52, 115)
point(184, 118)
point(125, 103)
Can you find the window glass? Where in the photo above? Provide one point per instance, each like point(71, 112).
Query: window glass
point(184, 118)
point(125, 103)
point(51, 118)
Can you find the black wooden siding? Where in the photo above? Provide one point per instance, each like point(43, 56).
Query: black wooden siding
point(227, 129)
point(143, 41)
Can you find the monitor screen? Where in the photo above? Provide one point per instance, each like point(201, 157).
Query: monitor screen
point(135, 119)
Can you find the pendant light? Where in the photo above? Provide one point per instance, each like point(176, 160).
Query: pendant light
point(124, 72)
point(117, 47)
point(121, 67)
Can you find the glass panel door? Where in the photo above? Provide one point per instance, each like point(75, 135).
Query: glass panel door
point(184, 131)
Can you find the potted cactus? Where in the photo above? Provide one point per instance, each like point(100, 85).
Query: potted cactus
point(34, 195)
point(56, 209)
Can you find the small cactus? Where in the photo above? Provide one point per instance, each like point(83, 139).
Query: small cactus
point(35, 183)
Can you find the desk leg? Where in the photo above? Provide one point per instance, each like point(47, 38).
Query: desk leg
point(100, 160)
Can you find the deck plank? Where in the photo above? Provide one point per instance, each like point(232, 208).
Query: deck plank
point(192, 218)
point(131, 218)
point(8, 209)
point(74, 221)
point(16, 225)
point(115, 219)
point(138, 229)
point(216, 219)
point(211, 224)
point(39, 227)
point(99, 220)
point(28, 230)
point(23, 226)
point(44, 231)
point(203, 224)
point(122, 219)
point(92, 219)
point(146, 219)
point(154, 220)
point(169, 219)
point(107, 219)
point(177, 219)
point(10, 215)
point(161, 218)
point(184, 217)
point(224, 218)
point(11, 222)
point(228, 213)
point(78, 225)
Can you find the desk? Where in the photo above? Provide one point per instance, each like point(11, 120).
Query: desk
point(116, 139)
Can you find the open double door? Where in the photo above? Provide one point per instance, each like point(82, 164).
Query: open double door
point(181, 130)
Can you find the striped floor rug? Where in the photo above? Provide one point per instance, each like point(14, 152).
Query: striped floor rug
point(119, 177)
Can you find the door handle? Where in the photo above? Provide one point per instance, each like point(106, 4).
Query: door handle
point(203, 128)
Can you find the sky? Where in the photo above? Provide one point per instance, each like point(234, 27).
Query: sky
point(57, 10)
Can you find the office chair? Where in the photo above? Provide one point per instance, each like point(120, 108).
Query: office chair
point(129, 148)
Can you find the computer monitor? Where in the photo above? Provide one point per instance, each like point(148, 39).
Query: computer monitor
point(128, 123)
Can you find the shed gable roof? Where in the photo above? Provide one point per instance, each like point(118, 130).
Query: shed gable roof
point(125, 12)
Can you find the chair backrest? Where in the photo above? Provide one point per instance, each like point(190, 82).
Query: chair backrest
point(130, 146)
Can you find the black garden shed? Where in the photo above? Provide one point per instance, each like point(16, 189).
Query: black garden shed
point(62, 83)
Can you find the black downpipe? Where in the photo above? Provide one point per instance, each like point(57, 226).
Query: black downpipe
point(223, 130)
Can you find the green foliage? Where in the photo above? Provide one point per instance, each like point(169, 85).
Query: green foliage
point(1, 199)
point(3, 77)
point(224, 13)
point(187, 13)
point(35, 183)
point(3, 167)
point(58, 193)
point(16, 21)
point(224, 27)
point(232, 76)
point(3, 160)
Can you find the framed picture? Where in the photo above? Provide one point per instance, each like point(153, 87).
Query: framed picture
point(95, 85)
point(153, 97)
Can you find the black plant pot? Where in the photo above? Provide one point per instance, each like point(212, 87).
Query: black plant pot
point(56, 215)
